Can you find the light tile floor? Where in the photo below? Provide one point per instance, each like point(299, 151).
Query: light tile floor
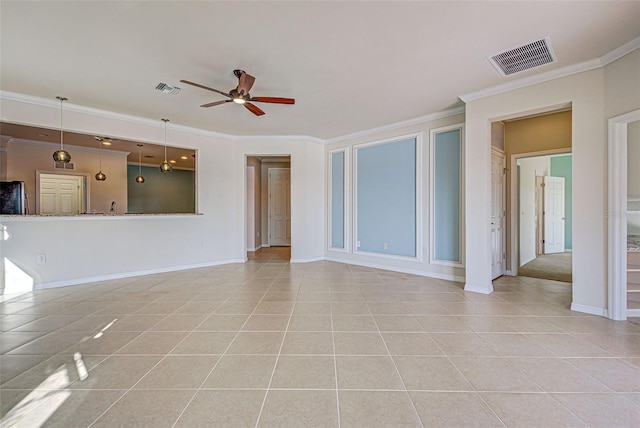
point(267, 343)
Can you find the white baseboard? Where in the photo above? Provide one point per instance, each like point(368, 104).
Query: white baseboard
point(87, 280)
point(478, 288)
point(592, 310)
point(436, 275)
point(313, 259)
point(568, 250)
point(255, 249)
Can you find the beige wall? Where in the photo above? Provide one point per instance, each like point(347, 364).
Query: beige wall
point(584, 93)
point(24, 159)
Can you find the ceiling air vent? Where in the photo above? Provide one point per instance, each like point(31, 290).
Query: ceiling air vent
point(524, 57)
point(64, 165)
point(167, 89)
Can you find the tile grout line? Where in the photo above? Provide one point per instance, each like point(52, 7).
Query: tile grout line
point(275, 366)
point(162, 359)
point(404, 386)
point(335, 362)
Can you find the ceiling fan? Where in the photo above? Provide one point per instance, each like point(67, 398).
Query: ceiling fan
point(240, 94)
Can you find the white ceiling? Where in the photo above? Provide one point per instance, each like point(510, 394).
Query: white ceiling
point(351, 66)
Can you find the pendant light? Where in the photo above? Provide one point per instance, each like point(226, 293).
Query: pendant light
point(100, 176)
point(165, 166)
point(61, 155)
point(140, 178)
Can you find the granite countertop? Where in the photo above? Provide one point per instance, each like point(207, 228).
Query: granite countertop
point(92, 216)
point(633, 242)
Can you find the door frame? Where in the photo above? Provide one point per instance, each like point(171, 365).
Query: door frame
point(497, 152)
point(269, 203)
point(616, 215)
point(514, 217)
point(86, 195)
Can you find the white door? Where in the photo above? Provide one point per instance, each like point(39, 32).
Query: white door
point(553, 215)
point(61, 194)
point(251, 210)
point(279, 206)
point(498, 255)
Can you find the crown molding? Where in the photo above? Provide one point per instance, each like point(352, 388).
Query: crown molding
point(532, 80)
point(593, 64)
point(77, 108)
point(618, 53)
point(415, 121)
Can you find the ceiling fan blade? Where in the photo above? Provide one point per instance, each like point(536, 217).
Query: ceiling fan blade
point(253, 109)
point(274, 100)
point(215, 103)
point(205, 87)
point(245, 83)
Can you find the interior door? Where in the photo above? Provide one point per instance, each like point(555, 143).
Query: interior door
point(498, 256)
point(61, 194)
point(279, 207)
point(553, 215)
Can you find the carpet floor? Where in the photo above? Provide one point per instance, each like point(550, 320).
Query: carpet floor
point(549, 266)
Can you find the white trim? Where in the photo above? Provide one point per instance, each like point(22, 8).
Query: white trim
point(415, 121)
point(616, 215)
point(418, 197)
point(132, 274)
point(254, 249)
point(79, 148)
point(592, 310)
point(621, 51)
point(398, 269)
point(309, 260)
point(346, 196)
point(432, 172)
point(90, 216)
point(478, 288)
point(569, 70)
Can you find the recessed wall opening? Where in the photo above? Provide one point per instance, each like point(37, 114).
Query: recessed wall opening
point(268, 206)
point(537, 188)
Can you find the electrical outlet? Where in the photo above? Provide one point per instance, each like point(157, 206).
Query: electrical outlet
point(41, 259)
point(384, 246)
point(357, 244)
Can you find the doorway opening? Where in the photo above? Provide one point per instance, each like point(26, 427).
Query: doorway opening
point(544, 216)
point(268, 205)
point(519, 216)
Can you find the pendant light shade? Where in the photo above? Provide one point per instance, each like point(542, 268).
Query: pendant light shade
point(165, 166)
point(140, 178)
point(100, 176)
point(61, 155)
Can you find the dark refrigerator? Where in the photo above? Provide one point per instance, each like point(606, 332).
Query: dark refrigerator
point(12, 197)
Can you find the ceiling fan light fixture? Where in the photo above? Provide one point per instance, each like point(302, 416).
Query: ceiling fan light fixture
point(239, 100)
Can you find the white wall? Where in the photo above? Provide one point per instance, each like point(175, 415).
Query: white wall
point(530, 168)
point(79, 249)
